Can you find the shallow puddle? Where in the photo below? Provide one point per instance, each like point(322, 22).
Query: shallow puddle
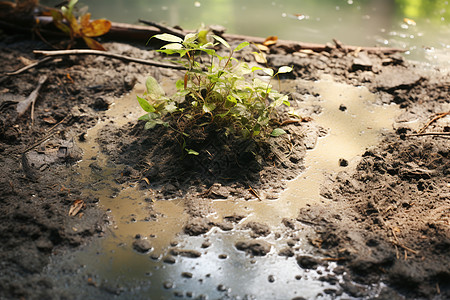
point(110, 265)
point(353, 123)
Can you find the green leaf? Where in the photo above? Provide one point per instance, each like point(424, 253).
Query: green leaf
point(190, 38)
point(145, 117)
point(172, 46)
point(256, 69)
point(230, 102)
point(150, 124)
point(209, 107)
point(241, 45)
point(179, 84)
point(154, 90)
point(268, 71)
point(168, 38)
point(277, 132)
point(223, 115)
point(192, 152)
point(284, 69)
point(72, 4)
point(145, 105)
point(202, 39)
point(207, 45)
point(210, 52)
point(171, 108)
point(221, 40)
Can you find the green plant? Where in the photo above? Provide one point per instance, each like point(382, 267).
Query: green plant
point(81, 27)
point(225, 95)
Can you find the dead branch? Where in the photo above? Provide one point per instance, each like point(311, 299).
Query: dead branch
point(429, 133)
point(165, 29)
point(129, 32)
point(108, 54)
point(30, 66)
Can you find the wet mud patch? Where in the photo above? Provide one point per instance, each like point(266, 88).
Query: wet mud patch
point(225, 167)
point(389, 219)
point(406, 179)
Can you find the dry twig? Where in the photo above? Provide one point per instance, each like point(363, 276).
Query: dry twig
point(438, 116)
point(108, 54)
point(430, 133)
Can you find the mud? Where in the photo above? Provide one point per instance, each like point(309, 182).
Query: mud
point(384, 222)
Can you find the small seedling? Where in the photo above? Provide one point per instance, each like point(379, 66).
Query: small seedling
point(225, 94)
point(81, 27)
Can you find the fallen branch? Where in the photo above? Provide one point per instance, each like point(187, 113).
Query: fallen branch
point(30, 66)
point(137, 33)
point(164, 29)
point(429, 133)
point(108, 54)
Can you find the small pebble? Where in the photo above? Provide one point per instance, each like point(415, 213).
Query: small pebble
point(206, 244)
point(178, 294)
point(186, 274)
point(168, 285)
point(221, 288)
point(169, 260)
point(223, 256)
point(343, 162)
point(271, 278)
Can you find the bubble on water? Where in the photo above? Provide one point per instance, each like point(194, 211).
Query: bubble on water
point(338, 8)
point(284, 15)
point(350, 2)
point(197, 4)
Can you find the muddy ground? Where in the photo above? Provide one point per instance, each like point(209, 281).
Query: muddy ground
point(387, 221)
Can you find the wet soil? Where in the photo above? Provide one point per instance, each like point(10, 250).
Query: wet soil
point(386, 221)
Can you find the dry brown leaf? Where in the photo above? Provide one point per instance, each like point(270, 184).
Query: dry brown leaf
point(25, 60)
point(271, 40)
point(262, 47)
point(260, 57)
point(49, 120)
point(75, 208)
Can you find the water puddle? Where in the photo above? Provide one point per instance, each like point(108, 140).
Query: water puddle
point(353, 122)
point(110, 265)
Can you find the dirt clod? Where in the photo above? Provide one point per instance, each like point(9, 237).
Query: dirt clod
point(254, 247)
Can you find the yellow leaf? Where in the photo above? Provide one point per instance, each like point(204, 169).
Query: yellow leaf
point(96, 27)
point(84, 22)
point(93, 44)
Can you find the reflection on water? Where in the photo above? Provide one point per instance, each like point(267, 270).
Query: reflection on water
point(357, 22)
